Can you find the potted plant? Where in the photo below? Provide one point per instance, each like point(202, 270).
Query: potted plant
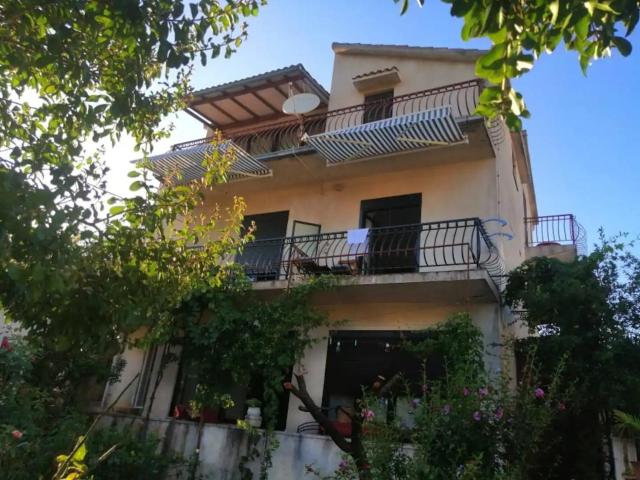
point(254, 415)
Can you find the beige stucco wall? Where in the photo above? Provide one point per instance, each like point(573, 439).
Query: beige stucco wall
point(450, 190)
point(509, 205)
point(416, 74)
point(133, 359)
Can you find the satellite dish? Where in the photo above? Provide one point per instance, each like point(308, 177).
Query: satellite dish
point(300, 104)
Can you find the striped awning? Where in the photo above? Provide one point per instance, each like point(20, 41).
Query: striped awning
point(407, 132)
point(188, 162)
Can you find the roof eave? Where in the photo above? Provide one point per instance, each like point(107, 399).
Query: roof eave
point(298, 68)
point(429, 53)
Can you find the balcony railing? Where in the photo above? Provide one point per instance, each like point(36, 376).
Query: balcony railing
point(555, 230)
point(276, 137)
point(461, 244)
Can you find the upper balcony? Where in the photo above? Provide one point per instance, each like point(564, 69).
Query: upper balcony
point(430, 118)
point(556, 236)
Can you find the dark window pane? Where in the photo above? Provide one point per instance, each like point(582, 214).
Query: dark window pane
point(378, 106)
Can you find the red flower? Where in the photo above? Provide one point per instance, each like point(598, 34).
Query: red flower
point(17, 434)
point(5, 344)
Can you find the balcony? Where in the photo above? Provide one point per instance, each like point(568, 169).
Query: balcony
point(381, 262)
point(557, 236)
point(446, 109)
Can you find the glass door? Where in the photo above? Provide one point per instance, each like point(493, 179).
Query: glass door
point(394, 235)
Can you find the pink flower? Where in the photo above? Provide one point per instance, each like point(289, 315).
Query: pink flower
point(477, 416)
point(499, 413)
point(415, 403)
point(343, 466)
point(446, 409)
point(466, 391)
point(17, 434)
point(368, 414)
point(539, 393)
point(483, 392)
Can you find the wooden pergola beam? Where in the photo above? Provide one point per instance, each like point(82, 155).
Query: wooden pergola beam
point(243, 107)
point(223, 111)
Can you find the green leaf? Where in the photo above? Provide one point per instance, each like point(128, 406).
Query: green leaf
point(459, 8)
point(584, 63)
point(500, 36)
point(623, 45)
point(133, 174)
point(81, 452)
point(554, 7)
point(517, 105)
point(490, 95)
point(137, 185)
point(632, 21)
point(604, 7)
point(582, 27)
point(116, 209)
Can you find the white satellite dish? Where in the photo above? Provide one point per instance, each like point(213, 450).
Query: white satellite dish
point(300, 104)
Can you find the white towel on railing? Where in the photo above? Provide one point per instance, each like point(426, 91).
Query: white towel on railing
point(357, 236)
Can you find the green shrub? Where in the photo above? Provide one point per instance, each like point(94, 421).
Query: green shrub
point(134, 457)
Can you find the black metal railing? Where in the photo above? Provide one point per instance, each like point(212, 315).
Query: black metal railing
point(555, 229)
point(461, 97)
point(433, 246)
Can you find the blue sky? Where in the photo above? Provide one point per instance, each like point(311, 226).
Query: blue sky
point(583, 133)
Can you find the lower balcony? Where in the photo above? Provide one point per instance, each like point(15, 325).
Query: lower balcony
point(387, 263)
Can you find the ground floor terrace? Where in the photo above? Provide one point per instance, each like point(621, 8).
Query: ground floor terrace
point(362, 346)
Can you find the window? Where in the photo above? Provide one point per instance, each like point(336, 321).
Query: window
point(188, 380)
point(148, 363)
point(359, 358)
point(263, 259)
point(378, 106)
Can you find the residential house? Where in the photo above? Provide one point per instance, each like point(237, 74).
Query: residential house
point(393, 184)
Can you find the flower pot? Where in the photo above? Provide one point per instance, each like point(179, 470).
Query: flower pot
point(254, 417)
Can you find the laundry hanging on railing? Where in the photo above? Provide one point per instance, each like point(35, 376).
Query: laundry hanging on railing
point(357, 236)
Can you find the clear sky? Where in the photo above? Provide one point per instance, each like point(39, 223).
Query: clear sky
point(583, 133)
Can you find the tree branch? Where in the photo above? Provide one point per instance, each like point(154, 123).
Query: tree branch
point(316, 412)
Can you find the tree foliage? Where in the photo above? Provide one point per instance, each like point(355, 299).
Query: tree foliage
point(521, 31)
point(588, 312)
point(79, 267)
point(464, 424)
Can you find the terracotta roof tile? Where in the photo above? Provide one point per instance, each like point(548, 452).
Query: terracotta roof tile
point(375, 72)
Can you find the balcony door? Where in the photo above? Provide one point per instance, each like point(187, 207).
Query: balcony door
point(263, 257)
point(394, 235)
